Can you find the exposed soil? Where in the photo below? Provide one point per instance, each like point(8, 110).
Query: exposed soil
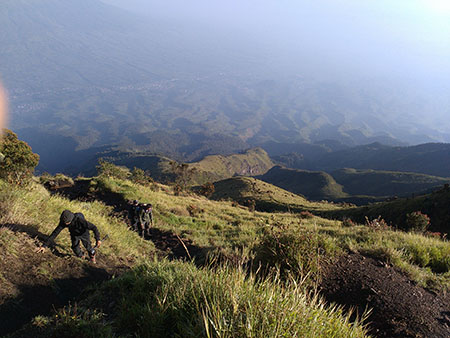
point(34, 284)
point(400, 308)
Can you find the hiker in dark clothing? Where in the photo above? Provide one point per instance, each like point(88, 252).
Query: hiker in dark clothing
point(79, 231)
point(145, 219)
point(132, 214)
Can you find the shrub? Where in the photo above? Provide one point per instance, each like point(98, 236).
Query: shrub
point(207, 189)
point(417, 222)
point(108, 169)
point(141, 177)
point(194, 210)
point(293, 252)
point(377, 223)
point(19, 160)
point(306, 215)
point(347, 222)
point(56, 182)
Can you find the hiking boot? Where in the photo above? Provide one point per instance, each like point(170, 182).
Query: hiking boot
point(93, 260)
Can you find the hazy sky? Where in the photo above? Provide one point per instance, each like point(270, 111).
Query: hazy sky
point(408, 37)
point(404, 44)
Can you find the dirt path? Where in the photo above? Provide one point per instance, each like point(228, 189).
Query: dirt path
point(168, 243)
point(35, 284)
point(400, 308)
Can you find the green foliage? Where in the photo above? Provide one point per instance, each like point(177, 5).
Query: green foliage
point(140, 176)
point(417, 221)
point(183, 174)
point(108, 169)
point(19, 162)
point(435, 205)
point(74, 321)
point(296, 252)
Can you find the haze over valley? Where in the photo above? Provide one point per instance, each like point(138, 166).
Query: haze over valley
point(171, 79)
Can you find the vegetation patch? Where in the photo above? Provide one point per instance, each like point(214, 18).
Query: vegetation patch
point(165, 299)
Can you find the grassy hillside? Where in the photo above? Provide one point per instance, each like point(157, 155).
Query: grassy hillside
point(435, 205)
point(385, 183)
point(160, 297)
point(429, 158)
point(210, 169)
point(267, 197)
point(251, 163)
point(315, 185)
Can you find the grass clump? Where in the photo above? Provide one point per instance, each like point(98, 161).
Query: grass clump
point(293, 251)
point(72, 321)
point(166, 299)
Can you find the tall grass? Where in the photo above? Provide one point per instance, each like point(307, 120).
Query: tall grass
point(174, 299)
point(229, 228)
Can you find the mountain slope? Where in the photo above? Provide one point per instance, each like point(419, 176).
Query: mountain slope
point(312, 184)
point(267, 197)
point(385, 183)
point(429, 158)
point(160, 296)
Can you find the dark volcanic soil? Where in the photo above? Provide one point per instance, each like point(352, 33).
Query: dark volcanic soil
point(29, 288)
point(400, 308)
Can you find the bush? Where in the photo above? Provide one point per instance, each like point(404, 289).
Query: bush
point(306, 215)
point(207, 189)
point(19, 160)
point(56, 182)
point(417, 222)
point(141, 177)
point(194, 210)
point(298, 253)
point(377, 223)
point(108, 169)
point(347, 222)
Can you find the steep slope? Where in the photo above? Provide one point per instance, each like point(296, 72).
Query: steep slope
point(312, 184)
point(160, 296)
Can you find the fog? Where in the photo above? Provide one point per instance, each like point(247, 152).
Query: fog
point(402, 45)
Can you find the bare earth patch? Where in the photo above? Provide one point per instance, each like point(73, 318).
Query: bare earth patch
point(400, 308)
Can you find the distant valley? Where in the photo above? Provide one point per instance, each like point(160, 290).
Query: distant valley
point(88, 76)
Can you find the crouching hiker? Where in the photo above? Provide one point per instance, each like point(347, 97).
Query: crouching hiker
point(79, 231)
point(145, 219)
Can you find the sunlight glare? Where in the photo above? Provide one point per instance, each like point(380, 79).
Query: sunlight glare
point(441, 6)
